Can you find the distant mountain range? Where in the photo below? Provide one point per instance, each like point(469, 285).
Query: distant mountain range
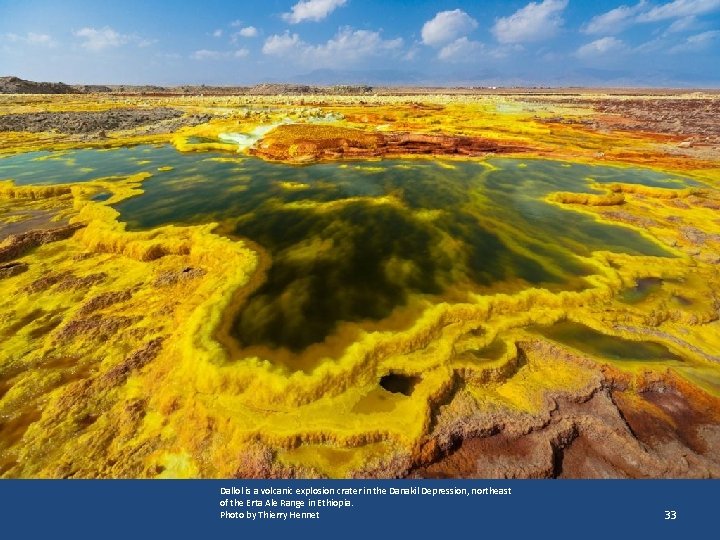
point(325, 81)
point(377, 77)
point(15, 85)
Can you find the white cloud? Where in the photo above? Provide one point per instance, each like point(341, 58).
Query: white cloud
point(351, 44)
point(447, 26)
point(248, 32)
point(206, 54)
point(39, 39)
point(679, 8)
point(281, 44)
point(312, 10)
point(658, 44)
point(614, 21)
point(98, 39)
point(503, 51)
point(681, 25)
point(534, 22)
point(618, 19)
point(411, 53)
point(141, 42)
point(217, 33)
point(103, 38)
point(460, 50)
point(600, 47)
point(697, 42)
point(32, 38)
point(346, 47)
point(551, 56)
point(169, 55)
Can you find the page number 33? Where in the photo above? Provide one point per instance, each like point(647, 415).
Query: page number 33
point(670, 514)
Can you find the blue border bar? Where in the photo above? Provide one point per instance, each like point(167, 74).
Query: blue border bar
point(609, 509)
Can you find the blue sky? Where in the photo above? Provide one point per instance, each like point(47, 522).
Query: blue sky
point(546, 42)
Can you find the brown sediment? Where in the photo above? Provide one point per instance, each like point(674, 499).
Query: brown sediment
point(15, 245)
point(104, 300)
point(95, 326)
point(170, 277)
point(616, 427)
point(135, 361)
point(12, 269)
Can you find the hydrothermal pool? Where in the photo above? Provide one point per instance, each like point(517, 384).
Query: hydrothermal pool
point(591, 341)
point(355, 242)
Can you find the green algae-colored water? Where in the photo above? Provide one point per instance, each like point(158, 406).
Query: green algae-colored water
point(643, 288)
point(70, 166)
point(590, 341)
point(353, 241)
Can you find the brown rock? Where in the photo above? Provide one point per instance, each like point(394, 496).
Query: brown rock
point(12, 269)
point(17, 244)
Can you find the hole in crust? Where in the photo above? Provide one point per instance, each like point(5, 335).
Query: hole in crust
point(399, 384)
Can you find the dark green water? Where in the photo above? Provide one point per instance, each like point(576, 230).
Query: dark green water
point(644, 288)
point(83, 165)
point(341, 254)
point(587, 340)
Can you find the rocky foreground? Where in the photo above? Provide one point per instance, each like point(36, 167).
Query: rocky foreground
point(691, 119)
point(84, 122)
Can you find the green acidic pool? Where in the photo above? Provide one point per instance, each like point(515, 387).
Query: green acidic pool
point(353, 241)
point(590, 341)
